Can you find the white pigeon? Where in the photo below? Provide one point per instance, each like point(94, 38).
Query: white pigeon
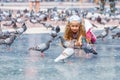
point(65, 54)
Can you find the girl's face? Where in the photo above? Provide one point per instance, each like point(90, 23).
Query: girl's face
point(74, 26)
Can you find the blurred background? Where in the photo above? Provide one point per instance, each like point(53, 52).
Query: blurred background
point(86, 1)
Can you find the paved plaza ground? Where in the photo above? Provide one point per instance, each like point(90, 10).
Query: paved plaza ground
point(21, 64)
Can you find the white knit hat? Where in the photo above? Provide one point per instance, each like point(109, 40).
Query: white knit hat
point(75, 18)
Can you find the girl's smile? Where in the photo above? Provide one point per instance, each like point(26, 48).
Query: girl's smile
point(74, 26)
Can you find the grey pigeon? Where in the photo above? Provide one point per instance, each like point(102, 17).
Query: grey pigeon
point(106, 32)
point(116, 35)
point(41, 47)
point(103, 34)
point(8, 41)
point(55, 31)
point(66, 44)
point(87, 48)
point(47, 25)
point(22, 29)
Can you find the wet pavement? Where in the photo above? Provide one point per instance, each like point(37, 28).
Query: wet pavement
point(21, 64)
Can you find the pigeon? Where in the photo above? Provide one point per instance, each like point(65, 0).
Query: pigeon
point(0, 19)
point(96, 8)
point(22, 29)
point(8, 41)
point(98, 19)
point(42, 17)
point(94, 25)
point(63, 16)
point(53, 34)
point(68, 52)
point(113, 27)
point(19, 14)
point(4, 34)
point(8, 14)
point(104, 33)
point(64, 43)
point(67, 44)
point(46, 25)
point(20, 20)
point(116, 35)
point(87, 48)
point(105, 20)
point(42, 47)
point(14, 26)
point(55, 31)
point(33, 20)
point(25, 10)
point(8, 23)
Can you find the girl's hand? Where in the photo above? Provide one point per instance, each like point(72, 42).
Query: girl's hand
point(78, 43)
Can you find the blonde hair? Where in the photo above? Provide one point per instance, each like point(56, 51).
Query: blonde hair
point(68, 35)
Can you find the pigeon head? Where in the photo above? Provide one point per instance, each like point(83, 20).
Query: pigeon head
point(57, 29)
point(24, 26)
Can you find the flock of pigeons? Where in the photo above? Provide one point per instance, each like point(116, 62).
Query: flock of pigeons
point(7, 37)
point(11, 18)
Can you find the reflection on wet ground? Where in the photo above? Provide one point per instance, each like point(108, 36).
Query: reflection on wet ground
point(21, 64)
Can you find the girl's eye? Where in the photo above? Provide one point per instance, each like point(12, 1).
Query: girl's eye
point(75, 25)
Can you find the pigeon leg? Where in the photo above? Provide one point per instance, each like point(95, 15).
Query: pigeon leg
point(42, 55)
point(68, 62)
point(19, 37)
point(63, 61)
point(88, 56)
point(9, 49)
point(103, 39)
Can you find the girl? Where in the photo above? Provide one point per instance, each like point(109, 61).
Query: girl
point(75, 31)
point(89, 34)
